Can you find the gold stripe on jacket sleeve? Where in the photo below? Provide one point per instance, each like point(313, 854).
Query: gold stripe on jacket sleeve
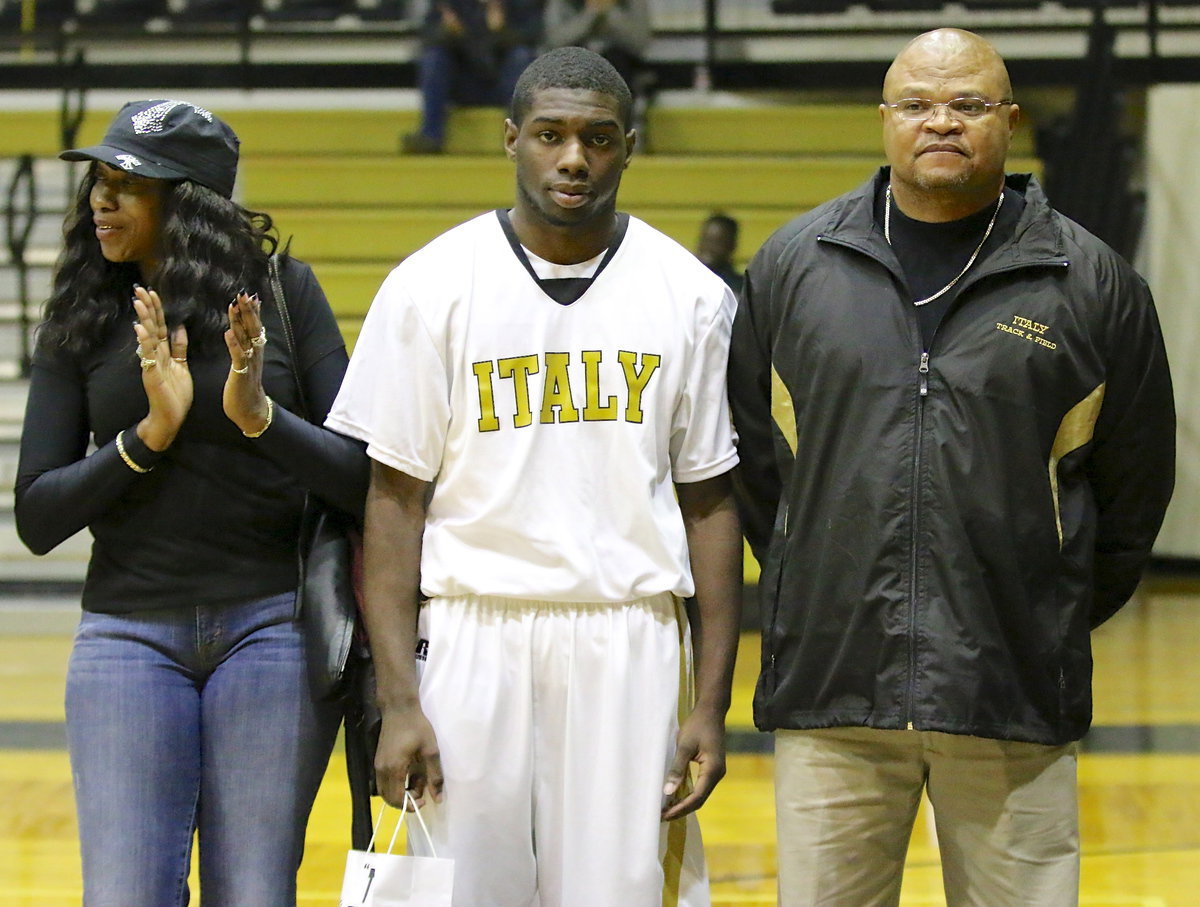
point(782, 410)
point(1074, 431)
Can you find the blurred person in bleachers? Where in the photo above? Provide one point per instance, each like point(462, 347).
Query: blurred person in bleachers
point(716, 247)
point(618, 30)
point(472, 54)
point(187, 700)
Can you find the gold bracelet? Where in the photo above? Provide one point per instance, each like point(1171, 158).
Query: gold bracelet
point(128, 459)
point(270, 416)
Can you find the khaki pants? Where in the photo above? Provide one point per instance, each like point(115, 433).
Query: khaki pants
point(1007, 817)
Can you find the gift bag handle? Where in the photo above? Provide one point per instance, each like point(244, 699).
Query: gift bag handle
point(408, 802)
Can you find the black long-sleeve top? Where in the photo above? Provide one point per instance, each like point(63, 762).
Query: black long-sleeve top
point(216, 518)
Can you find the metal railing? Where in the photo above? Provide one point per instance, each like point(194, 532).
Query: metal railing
point(1089, 164)
point(23, 206)
point(20, 212)
point(736, 42)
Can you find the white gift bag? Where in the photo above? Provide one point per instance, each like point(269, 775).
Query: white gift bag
point(395, 880)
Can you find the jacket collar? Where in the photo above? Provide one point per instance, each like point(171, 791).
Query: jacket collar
point(1038, 238)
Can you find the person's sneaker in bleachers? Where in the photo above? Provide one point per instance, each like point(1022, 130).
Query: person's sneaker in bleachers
point(419, 143)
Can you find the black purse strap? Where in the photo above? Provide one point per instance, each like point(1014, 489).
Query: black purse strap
point(289, 341)
point(360, 737)
point(289, 336)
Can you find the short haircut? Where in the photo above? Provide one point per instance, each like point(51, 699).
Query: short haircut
point(724, 220)
point(574, 68)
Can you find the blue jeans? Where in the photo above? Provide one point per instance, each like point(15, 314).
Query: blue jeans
point(186, 720)
point(446, 75)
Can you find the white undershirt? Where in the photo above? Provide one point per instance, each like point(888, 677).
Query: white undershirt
point(548, 270)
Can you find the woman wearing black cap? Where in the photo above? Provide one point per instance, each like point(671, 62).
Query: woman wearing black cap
point(187, 704)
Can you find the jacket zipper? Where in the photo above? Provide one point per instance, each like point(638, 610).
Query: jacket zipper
point(922, 393)
point(914, 500)
point(914, 509)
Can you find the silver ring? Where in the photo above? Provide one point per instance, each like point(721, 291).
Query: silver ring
point(241, 371)
point(147, 363)
point(261, 339)
point(248, 354)
point(179, 359)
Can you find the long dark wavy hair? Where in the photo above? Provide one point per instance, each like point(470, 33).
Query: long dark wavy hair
point(210, 249)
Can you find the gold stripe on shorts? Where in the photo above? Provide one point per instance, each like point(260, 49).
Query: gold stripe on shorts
point(673, 861)
point(677, 830)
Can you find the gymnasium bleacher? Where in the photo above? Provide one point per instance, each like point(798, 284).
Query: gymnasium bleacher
point(766, 109)
point(353, 207)
point(354, 213)
point(323, 160)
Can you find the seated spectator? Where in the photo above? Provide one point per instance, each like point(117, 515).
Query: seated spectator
point(717, 243)
point(618, 30)
point(472, 53)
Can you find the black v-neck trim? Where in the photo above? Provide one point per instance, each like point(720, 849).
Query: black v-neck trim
point(563, 290)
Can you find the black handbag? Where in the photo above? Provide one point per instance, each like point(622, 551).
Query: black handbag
point(327, 602)
point(327, 598)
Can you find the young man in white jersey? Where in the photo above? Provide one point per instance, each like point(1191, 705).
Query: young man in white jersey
point(542, 391)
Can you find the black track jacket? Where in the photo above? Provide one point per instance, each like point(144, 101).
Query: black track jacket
point(939, 533)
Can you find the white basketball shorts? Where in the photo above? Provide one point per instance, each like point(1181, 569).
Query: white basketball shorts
point(557, 724)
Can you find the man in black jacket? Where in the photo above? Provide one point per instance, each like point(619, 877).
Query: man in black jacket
point(957, 445)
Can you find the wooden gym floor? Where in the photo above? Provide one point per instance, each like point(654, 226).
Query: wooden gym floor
point(1139, 778)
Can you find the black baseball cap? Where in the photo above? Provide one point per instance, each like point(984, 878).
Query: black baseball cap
point(168, 140)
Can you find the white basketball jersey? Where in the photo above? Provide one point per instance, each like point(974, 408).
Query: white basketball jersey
point(553, 433)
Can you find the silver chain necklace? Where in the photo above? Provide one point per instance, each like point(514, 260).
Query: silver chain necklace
point(887, 234)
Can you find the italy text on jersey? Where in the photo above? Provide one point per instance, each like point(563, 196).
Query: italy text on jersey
point(560, 402)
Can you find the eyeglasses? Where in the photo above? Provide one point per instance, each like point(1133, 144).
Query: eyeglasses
point(959, 108)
